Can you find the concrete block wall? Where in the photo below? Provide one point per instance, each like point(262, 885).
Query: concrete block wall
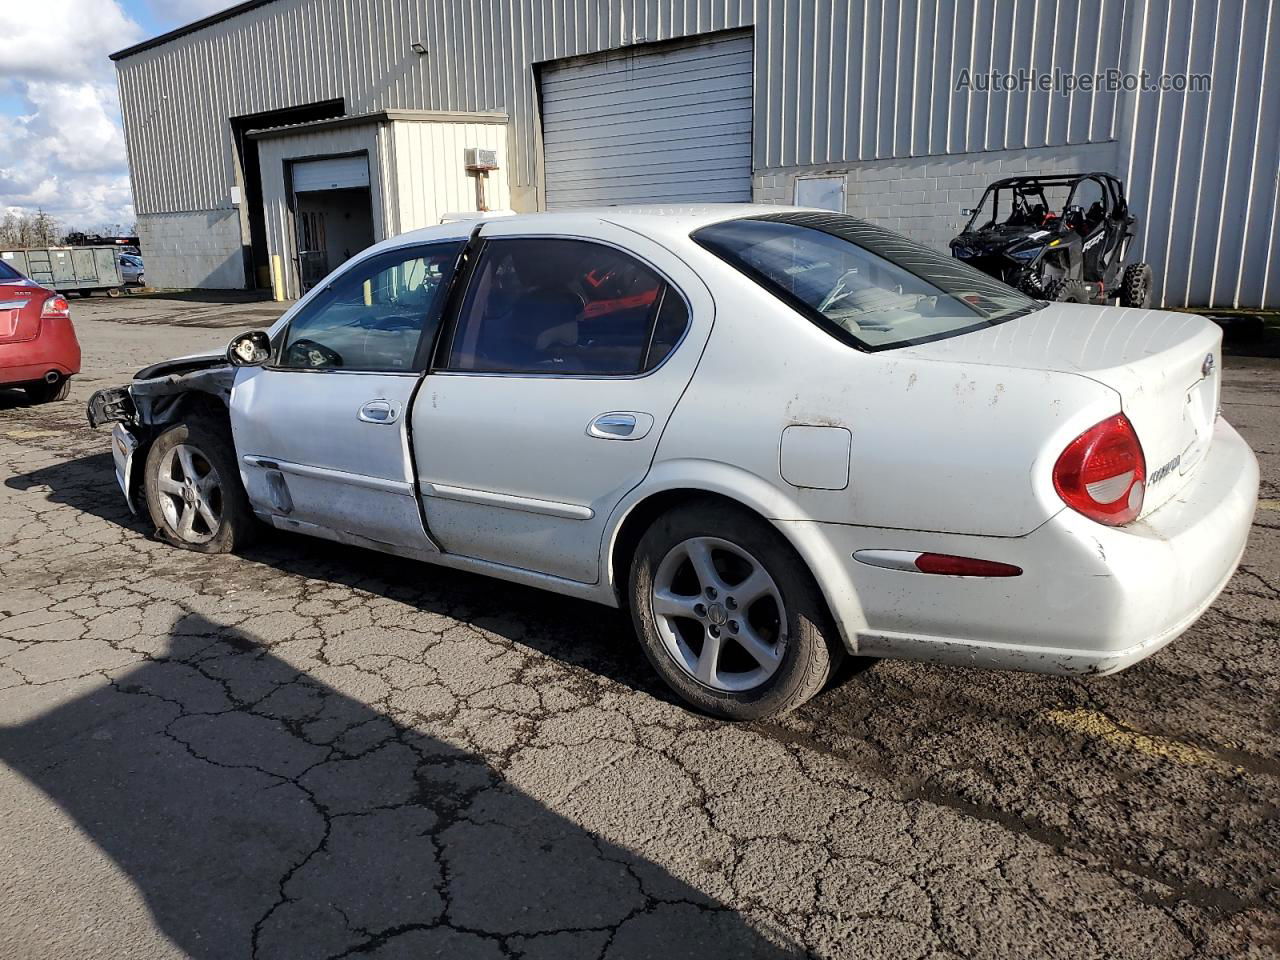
point(922, 197)
point(194, 249)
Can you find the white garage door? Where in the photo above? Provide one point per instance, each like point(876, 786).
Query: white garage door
point(336, 173)
point(672, 124)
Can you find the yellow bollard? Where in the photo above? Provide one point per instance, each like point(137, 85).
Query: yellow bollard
point(277, 279)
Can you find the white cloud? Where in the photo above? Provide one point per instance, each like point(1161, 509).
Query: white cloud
point(64, 151)
point(64, 39)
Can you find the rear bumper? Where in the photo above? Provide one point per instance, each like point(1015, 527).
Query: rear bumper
point(1091, 599)
point(55, 348)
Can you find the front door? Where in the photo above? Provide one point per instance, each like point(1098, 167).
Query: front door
point(550, 393)
point(321, 431)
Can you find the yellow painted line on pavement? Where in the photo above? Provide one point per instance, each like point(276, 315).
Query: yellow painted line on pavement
point(1098, 726)
point(1269, 504)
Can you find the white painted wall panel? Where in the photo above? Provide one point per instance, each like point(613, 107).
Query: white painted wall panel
point(430, 175)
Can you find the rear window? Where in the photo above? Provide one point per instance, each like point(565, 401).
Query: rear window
point(8, 273)
point(866, 285)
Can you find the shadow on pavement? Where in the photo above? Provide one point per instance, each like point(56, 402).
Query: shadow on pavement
point(576, 632)
point(262, 812)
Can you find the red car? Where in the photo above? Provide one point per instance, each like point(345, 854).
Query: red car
point(39, 351)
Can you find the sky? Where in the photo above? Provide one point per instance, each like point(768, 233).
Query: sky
point(62, 149)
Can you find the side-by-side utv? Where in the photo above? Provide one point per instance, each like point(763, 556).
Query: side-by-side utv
point(1058, 237)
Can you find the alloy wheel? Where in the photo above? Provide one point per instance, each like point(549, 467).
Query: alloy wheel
point(190, 494)
point(719, 614)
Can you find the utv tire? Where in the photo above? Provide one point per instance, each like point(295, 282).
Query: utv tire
point(1135, 286)
point(193, 489)
point(1067, 291)
point(757, 655)
point(48, 392)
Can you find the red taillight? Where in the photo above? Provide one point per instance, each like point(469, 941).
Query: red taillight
point(1103, 472)
point(55, 308)
point(947, 565)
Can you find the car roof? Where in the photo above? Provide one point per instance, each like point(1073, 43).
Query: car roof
point(653, 220)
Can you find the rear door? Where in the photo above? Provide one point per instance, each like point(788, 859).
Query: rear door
point(551, 391)
point(322, 430)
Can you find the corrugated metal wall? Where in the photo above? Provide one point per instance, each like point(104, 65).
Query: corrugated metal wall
point(1204, 168)
point(834, 82)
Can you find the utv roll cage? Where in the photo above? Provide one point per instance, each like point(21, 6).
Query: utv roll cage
point(1030, 205)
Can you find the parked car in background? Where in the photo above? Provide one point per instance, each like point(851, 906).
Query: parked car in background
point(777, 437)
point(39, 351)
point(131, 269)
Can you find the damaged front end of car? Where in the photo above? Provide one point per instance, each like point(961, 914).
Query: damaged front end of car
point(159, 396)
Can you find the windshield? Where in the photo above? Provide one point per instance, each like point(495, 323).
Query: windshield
point(8, 273)
point(863, 283)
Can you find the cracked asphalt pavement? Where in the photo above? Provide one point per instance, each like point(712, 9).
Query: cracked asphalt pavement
point(313, 751)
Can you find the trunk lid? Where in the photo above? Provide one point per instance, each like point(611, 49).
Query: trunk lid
point(1165, 366)
point(20, 305)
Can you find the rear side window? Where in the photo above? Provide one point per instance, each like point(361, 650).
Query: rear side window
point(566, 307)
point(866, 285)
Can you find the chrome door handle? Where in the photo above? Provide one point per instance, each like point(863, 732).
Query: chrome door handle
point(380, 411)
point(620, 425)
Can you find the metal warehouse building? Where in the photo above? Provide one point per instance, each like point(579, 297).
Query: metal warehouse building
point(268, 142)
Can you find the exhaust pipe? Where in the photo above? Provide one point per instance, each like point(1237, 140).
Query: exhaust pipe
point(52, 377)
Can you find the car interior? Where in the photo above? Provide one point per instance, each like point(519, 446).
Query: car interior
point(563, 306)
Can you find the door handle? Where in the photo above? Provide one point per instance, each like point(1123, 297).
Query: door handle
point(620, 425)
point(380, 411)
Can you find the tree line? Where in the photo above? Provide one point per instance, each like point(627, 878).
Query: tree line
point(21, 229)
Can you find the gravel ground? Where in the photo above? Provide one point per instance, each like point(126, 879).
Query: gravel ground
point(313, 751)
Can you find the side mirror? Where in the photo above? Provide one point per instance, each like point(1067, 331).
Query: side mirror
point(251, 349)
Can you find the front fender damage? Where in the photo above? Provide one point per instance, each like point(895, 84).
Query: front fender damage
point(141, 410)
point(160, 401)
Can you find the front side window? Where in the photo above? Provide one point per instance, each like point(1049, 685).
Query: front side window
point(564, 306)
point(867, 285)
point(373, 316)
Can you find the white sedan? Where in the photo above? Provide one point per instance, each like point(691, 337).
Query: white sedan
point(777, 436)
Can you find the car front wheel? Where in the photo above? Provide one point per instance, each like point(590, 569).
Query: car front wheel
point(728, 614)
point(193, 489)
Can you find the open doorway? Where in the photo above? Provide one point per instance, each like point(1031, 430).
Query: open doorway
point(257, 270)
point(332, 227)
point(332, 213)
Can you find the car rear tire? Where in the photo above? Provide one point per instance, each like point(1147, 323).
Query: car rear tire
point(1067, 291)
point(728, 614)
point(48, 392)
point(193, 489)
point(1136, 286)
